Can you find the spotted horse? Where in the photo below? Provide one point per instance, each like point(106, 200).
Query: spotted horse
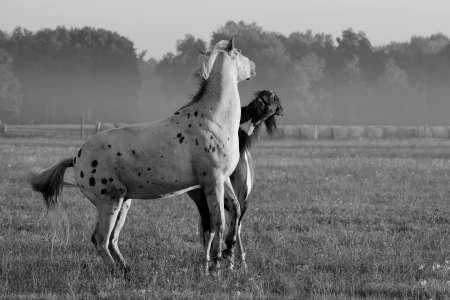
point(262, 109)
point(196, 147)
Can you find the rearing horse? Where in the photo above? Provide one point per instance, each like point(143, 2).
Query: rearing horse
point(196, 147)
point(262, 109)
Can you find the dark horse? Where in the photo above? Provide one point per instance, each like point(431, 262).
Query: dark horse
point(262, 109)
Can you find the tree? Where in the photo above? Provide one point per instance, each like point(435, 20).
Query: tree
point(68, 72)
point(175, 69)
point(266, 49)
point(10, 95)
point(356, 90)
point(393, 94)
point(151, 106)
point(314, 100)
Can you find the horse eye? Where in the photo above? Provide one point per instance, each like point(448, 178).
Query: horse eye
point(239, 50)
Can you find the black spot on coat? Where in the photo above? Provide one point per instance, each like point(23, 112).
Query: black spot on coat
point(109, 146)
point(103, 191)
point(181, 140)
point(81, 174)
point(104, 181)
point(119, 154)
point(79, 152)
point(179, 135)
point(195, 114)
point(111, 180)
point(92, 181)
point(93, 171)
point(94, 164)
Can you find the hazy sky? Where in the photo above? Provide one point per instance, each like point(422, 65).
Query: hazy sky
point(156, 25)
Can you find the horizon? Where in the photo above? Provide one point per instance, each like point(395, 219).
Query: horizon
point(335, 18)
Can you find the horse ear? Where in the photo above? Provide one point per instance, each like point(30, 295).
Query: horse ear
point(230, 45)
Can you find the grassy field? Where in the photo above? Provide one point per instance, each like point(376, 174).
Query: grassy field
point(329, 220)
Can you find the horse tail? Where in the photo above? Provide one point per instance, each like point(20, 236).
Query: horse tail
point(50, 182)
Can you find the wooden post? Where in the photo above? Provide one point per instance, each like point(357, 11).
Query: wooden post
point(82, 128)
point(97, 128)
point(4, 129)
point(315, 132)
point(425, 131)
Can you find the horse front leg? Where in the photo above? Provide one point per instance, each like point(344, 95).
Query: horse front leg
point(235, 213)
point(214, 238)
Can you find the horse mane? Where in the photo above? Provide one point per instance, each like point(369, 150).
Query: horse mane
point(202, 73)
point(270, 123)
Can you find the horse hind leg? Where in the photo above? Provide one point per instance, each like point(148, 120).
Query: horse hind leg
point(199, 198)
point(240, 248)
point(107, 215)
point(114, 238)
point(234, 216)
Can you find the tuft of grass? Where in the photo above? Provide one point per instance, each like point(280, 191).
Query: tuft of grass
point(327, 220)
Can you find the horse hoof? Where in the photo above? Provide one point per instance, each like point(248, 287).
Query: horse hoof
point(126, 274)
point(244, 266)
point(214, 273)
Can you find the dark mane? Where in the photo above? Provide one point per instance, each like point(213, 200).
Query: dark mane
point(197, 96)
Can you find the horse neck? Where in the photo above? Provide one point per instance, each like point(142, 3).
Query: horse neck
point(245, 141)
point(221, 96)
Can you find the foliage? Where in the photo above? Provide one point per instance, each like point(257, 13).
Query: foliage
point(348, 82)
point(64, 73)
point(175, 69)
point(10, 94)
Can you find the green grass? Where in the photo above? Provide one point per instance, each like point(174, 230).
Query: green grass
point(328, 220)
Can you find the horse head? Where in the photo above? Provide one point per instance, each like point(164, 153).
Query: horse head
point(263, 108)
point(244, 66)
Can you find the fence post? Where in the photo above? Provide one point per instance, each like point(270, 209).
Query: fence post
point(315, 132)
point(4, 129)
point(97, 128)
point(82, 128)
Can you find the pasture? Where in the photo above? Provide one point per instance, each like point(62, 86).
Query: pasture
point(328, 220)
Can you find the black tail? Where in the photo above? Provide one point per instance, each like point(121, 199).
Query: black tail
point(51, 181)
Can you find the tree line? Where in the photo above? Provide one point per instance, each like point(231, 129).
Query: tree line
point(54, 75)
